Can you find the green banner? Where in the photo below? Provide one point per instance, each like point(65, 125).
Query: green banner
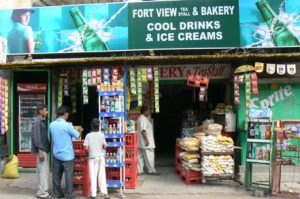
point(184, 24)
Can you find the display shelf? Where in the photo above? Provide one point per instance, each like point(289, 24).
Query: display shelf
point(217, 153)
point(261, 120)
point(258, 161)
point(114, 165)
point(219, 175)
point(115, 183)
point(112, 114)
point(112, 136)
point(259, 140)
point(115, 141)
point(111, 93)
point(134, 132)
point(115, 144)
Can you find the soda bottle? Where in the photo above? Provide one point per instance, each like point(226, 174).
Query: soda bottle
point(90, 40)
point(112, 105)
point(281, 35)
point(38, 40)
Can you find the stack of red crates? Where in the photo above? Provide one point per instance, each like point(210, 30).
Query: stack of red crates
point(81, 181)
point(27, 160)
point(131, 154)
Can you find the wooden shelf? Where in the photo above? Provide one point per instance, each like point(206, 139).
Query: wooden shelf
point(258, 161)
point(259, 140)
point(217, 153)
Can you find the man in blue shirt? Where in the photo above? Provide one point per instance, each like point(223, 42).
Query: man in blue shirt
point(62, 133)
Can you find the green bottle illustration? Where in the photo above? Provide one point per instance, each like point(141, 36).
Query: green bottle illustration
point(38, 40)
point(281, 35)
point(89, 39)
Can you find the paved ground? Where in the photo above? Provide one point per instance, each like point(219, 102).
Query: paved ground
point(166, 186)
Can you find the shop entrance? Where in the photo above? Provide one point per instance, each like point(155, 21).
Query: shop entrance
point(30, 89)
point(176, 99)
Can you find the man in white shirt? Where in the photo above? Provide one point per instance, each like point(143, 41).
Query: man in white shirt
point(146, 144)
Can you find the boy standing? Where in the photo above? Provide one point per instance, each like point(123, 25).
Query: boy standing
point(95, 144)
point(41, 147)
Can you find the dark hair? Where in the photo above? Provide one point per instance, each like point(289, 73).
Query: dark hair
point(144, 109)
point(95, 123)
point(62, 110)
point(40, 107)
point(16, 13)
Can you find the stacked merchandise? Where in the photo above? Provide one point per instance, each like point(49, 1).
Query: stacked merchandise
point(216, 152)
point(4, 116)
point(217, 165)
point(144, 86)
point(216, 144)
point(111, 116)
point(131, 152)
point(187, 160)
point(287, 134)
point(81, 181)
point(259, 147)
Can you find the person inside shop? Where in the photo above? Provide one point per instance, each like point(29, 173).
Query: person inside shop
point(95, 145)
point(146, 144)
point(20, 39)
point(62, 133)
point(40, 146)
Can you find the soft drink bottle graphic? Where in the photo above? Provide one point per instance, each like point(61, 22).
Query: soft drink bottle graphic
point(281, 35)
point(90, 40)
point(38, 40)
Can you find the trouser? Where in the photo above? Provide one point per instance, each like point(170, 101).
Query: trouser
point(97, 172)
point(146, 156)
point(42, 175)
point(59, 167)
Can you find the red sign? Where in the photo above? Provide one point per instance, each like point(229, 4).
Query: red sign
point(34, 88)
point(181, 72)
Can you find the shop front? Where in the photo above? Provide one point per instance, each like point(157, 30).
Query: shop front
point(174, 57)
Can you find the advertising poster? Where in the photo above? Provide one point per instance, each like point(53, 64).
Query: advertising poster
point(65, 29)
point(126, 26)
point(184, 24)
point(269, 23)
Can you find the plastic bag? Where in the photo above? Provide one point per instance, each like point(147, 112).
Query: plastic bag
point(11, 168)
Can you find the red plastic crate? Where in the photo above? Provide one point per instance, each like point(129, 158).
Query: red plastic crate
point(27, 160)
point(190, 177)
point(112, 173)
point(131, 140)
point(82, 189)
point(179, 169)
point(81, 173)
point(78, 147)
point(178, 150)
point(131, 168)
point(81, 160)
point(131, 154)
point(130, 182)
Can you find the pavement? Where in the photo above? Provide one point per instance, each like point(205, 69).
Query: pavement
point(166, 186)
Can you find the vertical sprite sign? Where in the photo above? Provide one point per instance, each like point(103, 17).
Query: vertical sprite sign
point(184, 24)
